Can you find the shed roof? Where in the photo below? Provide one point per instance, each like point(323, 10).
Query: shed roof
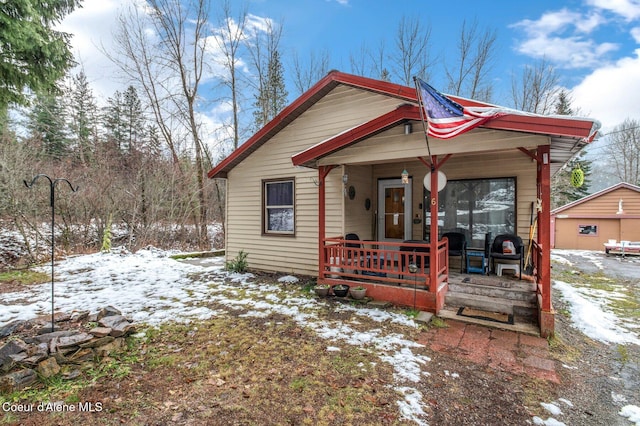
point(596, 195)
point(568, 134)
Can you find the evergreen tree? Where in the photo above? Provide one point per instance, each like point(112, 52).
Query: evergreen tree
point(133, 120)
point(272, 94)
point(82, 113)
point(113, 121)
point(562, 191)
point(34, 56)
point(563, 104)
point(47, 125)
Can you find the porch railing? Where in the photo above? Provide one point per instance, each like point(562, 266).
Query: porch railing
point(382, 261)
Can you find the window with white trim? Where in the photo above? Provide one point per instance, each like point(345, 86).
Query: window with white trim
point(279, 206)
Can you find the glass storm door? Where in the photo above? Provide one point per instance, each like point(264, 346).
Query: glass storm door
point(394, 210)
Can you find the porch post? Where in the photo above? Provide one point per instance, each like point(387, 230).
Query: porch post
point(433, 230)
point(323, 171)
point(546, 318)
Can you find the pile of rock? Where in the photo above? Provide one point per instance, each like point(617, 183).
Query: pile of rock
point(30, 350)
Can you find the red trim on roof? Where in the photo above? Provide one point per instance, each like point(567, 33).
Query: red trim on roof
point(304, 102)
point(551, 126)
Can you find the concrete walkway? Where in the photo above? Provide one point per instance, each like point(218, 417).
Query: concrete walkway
point(509, 351)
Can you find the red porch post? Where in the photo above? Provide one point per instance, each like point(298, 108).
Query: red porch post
point(433, 230)
point(323, 171)
point(546, 314)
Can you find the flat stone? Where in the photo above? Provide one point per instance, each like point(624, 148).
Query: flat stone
point(46, 328)
point(34, 359)
point(17, 380)
point(19, 357)
point(119, 325)
point(104, 340)
point(75, 340)
point(100, 331)
point(48, 367)
point(109, 348)
point(39, 349)
point(85, 354)
point(12, 347)
point(78, 316)
point(9, 328)
point(424, 317)
point(108, 312)
point(47, 337)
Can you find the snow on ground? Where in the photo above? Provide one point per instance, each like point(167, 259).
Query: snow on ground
point(150, 287)
point(590, 308)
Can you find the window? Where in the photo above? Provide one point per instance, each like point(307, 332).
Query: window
point(278, 206)
point(475, 207)
point(590, 230)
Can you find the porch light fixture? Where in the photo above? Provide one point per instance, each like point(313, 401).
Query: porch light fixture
point(408, 128)
point(405, 176)
point(345, 178)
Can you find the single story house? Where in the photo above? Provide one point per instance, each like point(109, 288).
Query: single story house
point(590, 222)
point(338, 186)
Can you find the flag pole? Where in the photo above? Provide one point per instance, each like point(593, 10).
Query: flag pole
point(422, 118)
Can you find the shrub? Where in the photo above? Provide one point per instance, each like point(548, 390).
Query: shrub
point(239, 264)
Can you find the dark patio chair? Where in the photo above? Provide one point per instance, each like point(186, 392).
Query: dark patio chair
point(457, 245)
point(497, 250)
point(357, 257)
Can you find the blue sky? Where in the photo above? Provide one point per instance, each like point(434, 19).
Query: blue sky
point(593, 44)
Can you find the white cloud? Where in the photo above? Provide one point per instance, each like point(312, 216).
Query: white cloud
point(627, 9)
point(635, 33)
point(609, 93)
point(92, 26)
point(562, 37)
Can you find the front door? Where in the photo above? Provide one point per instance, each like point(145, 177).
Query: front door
point(394, 210)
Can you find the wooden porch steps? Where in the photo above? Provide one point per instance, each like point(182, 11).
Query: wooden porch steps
point(519, 325)
point(494, 294)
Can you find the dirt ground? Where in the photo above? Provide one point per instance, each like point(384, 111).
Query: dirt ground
point(238, 370)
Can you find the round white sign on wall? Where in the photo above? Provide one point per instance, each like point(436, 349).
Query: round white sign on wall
point(442, 181)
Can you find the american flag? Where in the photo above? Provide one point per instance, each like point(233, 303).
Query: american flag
point(447, 119)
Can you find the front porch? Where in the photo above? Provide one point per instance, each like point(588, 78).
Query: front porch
point(400, 273)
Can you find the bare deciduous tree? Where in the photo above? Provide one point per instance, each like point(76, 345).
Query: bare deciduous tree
point(476, 50)
point(537, 89)
point(623, 149)
point(268, 82)
point(306, 75)
point(411, 55)
point(229, 38)
point(169, 64)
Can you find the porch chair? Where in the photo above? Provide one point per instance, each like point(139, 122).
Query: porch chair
point(457, 246)
point(359, 259)
point(497, 251)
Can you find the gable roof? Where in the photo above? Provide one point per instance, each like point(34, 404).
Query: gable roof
point(568, 135)
point(596, 195)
